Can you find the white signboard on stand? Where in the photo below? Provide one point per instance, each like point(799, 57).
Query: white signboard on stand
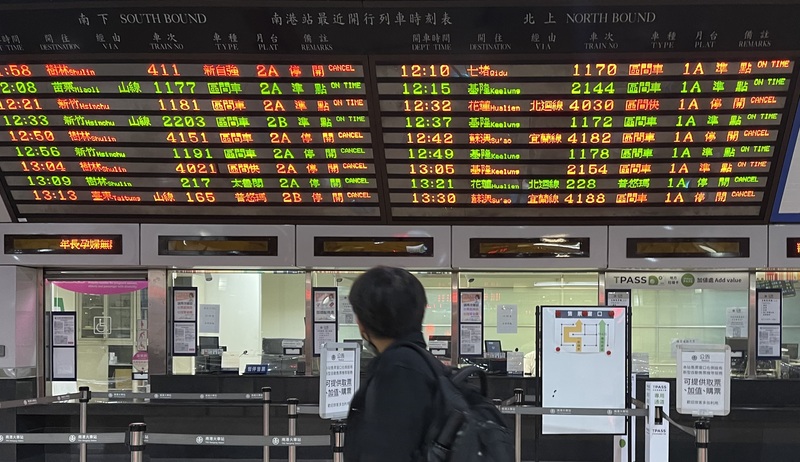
point(656, 427)
point(340, 370)
point(704, 380)
point(584, 365)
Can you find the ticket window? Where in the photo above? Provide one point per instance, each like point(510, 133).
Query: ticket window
point(663, 318)
point(110, 327)
point(437, 285)
point(526, 291)
point(237, 311)
point(789, 284)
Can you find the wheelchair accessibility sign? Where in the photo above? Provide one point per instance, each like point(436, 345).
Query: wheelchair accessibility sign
point(102, 325)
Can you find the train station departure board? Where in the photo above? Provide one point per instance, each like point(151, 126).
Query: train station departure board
point(427, 112)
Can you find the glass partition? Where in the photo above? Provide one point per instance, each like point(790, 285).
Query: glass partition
point(241, 316)
point(437, 286)
point(662, 318)
point(526, 291)
point(110, 331)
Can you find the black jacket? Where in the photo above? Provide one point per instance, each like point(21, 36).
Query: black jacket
point(391, 412)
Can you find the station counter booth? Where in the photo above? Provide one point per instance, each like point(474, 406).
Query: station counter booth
point(278, 347)
point(187, 196)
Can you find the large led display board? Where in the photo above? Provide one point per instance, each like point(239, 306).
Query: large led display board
point(431, 112)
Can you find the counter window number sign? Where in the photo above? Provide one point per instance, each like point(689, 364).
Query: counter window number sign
point(102, 325)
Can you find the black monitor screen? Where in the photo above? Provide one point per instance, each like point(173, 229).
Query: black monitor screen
point(791, 349)
point(493, 346)
point(209, 343)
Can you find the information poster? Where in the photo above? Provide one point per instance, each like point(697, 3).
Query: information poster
point(769, 341)
point(736, 322)
point(339, 378)
point(325, 305)
point(769, 317)
point(470, 322)
point(184, 304)
point(769, 307)
point(506, 319)
point(64, 364)
point(323, 333)
point(471, 339)
point(471, 306)
point(620, 297)
point(184, 339)
point(63, 329)
point(325, 302)
point(63, 352)
point(209, 318)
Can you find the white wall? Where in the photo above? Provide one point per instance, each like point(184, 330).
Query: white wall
point(27, 308)
point(283, 305)
point(8, 314)
point(18, 308)
point(239, 297)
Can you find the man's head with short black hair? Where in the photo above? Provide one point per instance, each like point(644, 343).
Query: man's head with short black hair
point(389, 302)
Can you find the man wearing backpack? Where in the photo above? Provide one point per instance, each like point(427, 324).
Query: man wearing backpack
point(409, 407)
point(391, 412)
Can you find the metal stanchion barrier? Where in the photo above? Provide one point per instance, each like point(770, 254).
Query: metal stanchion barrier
point(702, 428)
point(292, 414)
point(266, 392)
point(338, 429)
point(86, 395)
point(519, 399)
point(136, 441)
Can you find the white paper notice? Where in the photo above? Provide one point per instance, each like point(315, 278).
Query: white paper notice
point(471, 339)
point(323, 333)
point(346, 315)
point(184, 338)
point(769, 308)
point(324, 305)
point(64, 363)
point(736, 325)
point(63, 330)
point(471, 307)
point(618, 299)
point(184, 305)
point(209, 318)
point(506, 319)
point(769, 341)
point(681, 341)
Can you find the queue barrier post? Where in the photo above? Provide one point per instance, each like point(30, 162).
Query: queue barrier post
point(86, 395)
point(519, 400)
point(266, 392)
point(338, 428)
point(702, 428)
point(291, 407)
point(136, 441)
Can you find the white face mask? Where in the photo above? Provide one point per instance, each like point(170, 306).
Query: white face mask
point(368, 345)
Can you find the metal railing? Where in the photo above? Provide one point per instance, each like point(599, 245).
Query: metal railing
point(137, 437)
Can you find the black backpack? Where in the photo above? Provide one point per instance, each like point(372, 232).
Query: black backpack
point(466, 426)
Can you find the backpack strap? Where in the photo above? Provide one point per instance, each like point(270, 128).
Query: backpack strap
point(435, 365)
point(461, 376)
